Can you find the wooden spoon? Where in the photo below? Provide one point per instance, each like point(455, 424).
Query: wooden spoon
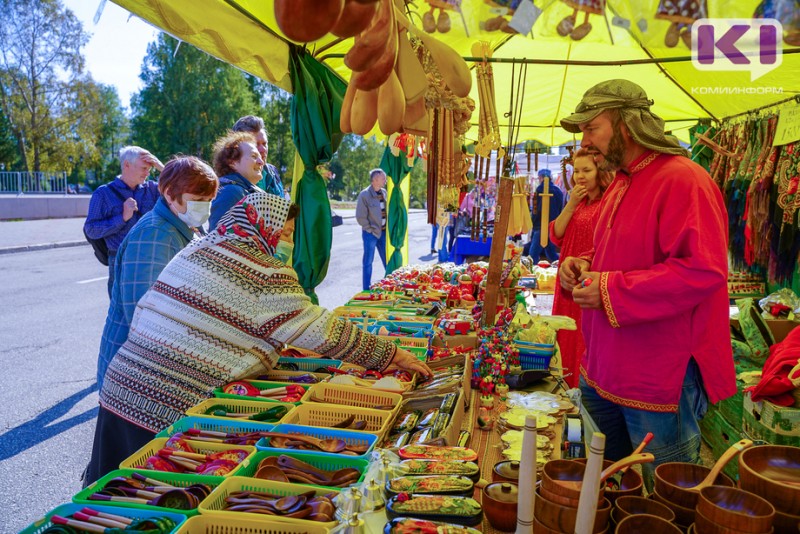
point(326, 445)
point(271, 472)
point(346, 423)
point(326, 476)
point(633, 459)
point(732, 452)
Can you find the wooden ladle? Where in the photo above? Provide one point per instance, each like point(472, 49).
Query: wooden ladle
point(326, 445)
point(270, 472)
point(285, 504)
point(732, 452)
point(633, 459)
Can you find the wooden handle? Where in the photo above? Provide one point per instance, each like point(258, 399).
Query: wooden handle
point(80, 516)
point(590, 492)
point(727, 456)
point(118, 518)
point(80, 525)
point(625, 463)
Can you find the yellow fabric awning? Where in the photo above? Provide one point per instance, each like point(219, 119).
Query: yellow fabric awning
point(245, 34)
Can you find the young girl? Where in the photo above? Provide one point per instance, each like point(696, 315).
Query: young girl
point(573, 231)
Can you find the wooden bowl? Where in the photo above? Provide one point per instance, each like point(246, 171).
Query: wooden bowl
point(564, 501)
point(784, 522)
point(736, 509)
point(673, 478)
point(764, 470)
point(683, 516)
point(633, 505)
point(562, 518)
point(704, 525)
point(499, 505)
point(632, 483)
point(651, 524)
point(559, 477)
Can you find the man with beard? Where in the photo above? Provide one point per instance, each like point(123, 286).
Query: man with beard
point(654, 287)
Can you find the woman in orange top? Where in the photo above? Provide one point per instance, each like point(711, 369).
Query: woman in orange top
point(573, 231)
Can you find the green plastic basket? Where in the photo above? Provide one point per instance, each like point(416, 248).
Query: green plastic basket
point(241, 405)
point(324, 463)
point(260, 384)
point(175, 479)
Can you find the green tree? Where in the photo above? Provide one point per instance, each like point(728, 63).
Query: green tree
point(8, 143)
point(40, 67)
point(275, 104)
point(189, 99)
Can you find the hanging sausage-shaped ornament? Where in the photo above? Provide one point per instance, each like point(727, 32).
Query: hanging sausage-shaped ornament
point(545, 233)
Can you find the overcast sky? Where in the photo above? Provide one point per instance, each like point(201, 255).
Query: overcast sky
point(117, 47)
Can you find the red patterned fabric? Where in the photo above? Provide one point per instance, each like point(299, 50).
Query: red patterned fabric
point(576, 240)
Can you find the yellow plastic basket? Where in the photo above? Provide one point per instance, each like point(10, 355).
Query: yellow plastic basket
point(209, 524)
point(351, 396)
point(324, 415)
point(138, 459)
point(237, 406)
point(214, 504)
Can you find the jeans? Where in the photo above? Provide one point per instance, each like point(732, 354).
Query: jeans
point(370, 243)
point(676, 436)
point(434, 234)
point(112, 259)
point(534, 248)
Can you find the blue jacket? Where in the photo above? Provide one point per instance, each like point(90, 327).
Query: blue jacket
point(141, 257)
point(233, 188)
point(104, 219)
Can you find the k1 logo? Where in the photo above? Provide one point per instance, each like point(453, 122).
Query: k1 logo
point(737, 44)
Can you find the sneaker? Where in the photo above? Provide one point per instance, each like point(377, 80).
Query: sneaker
point(433, 251)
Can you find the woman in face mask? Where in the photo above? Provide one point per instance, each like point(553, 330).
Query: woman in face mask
point(220, 311)
point(187, 186)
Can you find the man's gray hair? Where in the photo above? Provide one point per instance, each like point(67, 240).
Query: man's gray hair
point(375, 172)
point(250, 123)
point(130, 154)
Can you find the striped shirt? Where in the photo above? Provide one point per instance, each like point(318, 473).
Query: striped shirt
point(382, 199)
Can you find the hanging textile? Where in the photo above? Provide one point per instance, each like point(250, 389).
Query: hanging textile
point(701, 154)
point(316, 105)
point(396, 169)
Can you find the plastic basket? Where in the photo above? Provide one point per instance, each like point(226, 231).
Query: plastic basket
point(351, 396)
point(408, 341)
point(216, 424)
point(533, 360)
point(349, 437)
point(408, 328)
point(137, 459)
point(324, 415)
point(284, 377)
point(214, 504)
point(210, 524)
point(40, 525)
point(326, 463)
point(260, 384)
point(175, 479)
point(235, 406)
point(310, 365)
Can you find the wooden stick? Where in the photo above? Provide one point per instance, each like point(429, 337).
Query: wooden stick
point(544, 237)
point(527, 477)
point(590, 489)
point(502, 214)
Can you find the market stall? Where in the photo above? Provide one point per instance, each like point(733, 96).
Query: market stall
point(315, 446)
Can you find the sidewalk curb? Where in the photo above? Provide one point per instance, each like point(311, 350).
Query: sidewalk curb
point(41, 246)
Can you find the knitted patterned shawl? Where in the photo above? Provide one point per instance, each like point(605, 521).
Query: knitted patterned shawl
point(219, 312)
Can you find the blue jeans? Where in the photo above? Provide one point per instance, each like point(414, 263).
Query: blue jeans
point(676, 436)
point(434, 234)
point(370, 243)
point(535, 248)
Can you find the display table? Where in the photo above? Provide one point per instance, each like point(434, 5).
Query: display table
point(464, 247)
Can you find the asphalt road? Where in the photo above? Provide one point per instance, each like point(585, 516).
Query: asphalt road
point(52, 310)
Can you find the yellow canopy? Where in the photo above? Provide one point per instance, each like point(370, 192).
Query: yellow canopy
point(245, 34)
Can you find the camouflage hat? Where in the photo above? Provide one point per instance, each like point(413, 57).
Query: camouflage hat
point(606, 95)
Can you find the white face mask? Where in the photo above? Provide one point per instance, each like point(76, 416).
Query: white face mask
point(284, 251)
point(197, 213)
